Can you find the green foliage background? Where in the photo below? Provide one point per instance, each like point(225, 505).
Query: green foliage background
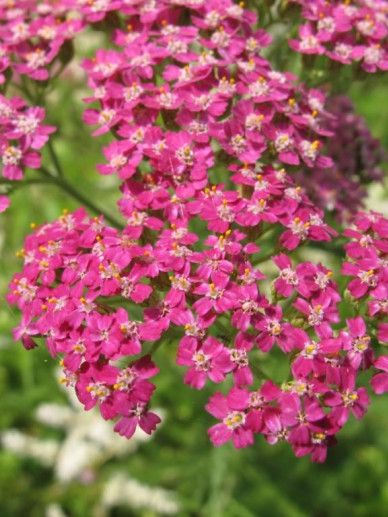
point(259, 481)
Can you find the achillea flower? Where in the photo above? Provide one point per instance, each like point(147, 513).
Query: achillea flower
point(205, 134)
point(345, 33)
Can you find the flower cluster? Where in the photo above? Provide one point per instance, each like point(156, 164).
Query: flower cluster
point(357, 159)
point(76, 267)
point(22, 135)
point(71, 267)
point(367, 265)
point(33, 34)
point(345, 32)
point(205, 137)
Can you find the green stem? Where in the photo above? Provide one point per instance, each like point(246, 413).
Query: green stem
point(55, 159)
point(51, 179)
point(69, 189)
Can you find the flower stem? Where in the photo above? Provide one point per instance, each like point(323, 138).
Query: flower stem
point(54, 158)
point(73, 192)
point(50, 179)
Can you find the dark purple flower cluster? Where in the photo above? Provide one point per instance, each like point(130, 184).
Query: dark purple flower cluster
point(356, 162)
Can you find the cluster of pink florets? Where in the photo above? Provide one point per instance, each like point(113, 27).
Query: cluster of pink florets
point(76, 269)
point(207, 136)
point(33, 34)
point(345, 32)
point(22, 135)
point(73, 268)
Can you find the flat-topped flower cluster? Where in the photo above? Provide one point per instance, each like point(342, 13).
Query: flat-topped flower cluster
point(77, 267)
point(206, 138)
point(345, 31)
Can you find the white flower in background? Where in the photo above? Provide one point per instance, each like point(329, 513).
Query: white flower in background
point(54, 510)
point(124, 491)
point(89, 443)
point(44, 451)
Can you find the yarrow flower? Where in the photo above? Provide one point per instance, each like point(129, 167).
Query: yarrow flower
point(206, 136)
point(345, 32)
point(22, 135)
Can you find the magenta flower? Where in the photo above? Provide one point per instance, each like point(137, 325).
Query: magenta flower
point(217, 296)
point(136, 415)
point(380, 381)
point(205, 138)
point(4, 203)
point(209, 360)
point(234, 425)
point(347, 399)
point(357, 344)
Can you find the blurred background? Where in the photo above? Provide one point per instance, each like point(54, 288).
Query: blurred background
point(57, 460)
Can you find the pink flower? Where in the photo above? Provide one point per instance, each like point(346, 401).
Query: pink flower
point(4, 203)
point(216, 296)
point(380, 381)
point(357, 343)
point(234, 425)
point(136, 415)
point(347, 399)
point(209, 360)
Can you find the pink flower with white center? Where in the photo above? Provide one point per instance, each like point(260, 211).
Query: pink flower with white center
point(210, 263)
point(288, 278)
point(257, 210)
point(28, 126)
point(347, 400)
point(357, 344)
point(134, 332)
point(306, 225)
point(119, 163)
point(374, 57)
point(242, 373)
point(249, 308)
point(180, 285)
point(25, 331)
point(298, 231)
point(216, 296)
point(15, 159)
point(133, 380)
point(107, 118)
point(237, 143)
point(103, 333)
point(285, 147)
point(365, 271)
point(315, 356)
point(379, 302)
point(231, 410)
point(320, 312)
point(210, 360)
point(94, 386)
point(308, 43)
point(302, 417)
point(132, 288)
point(273, 330)
point(220, 212)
